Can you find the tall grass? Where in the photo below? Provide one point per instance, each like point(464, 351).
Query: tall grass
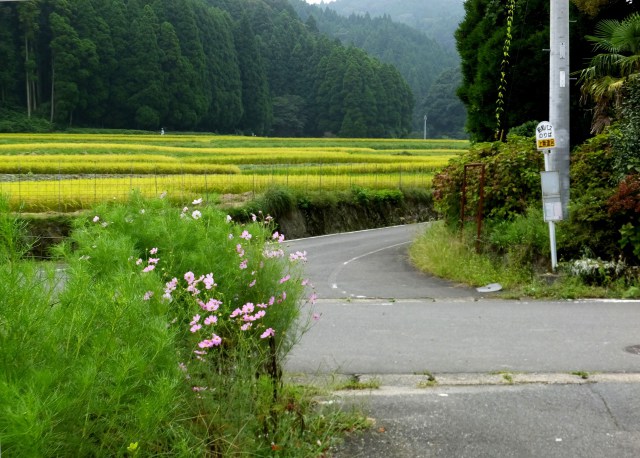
point(164, 336)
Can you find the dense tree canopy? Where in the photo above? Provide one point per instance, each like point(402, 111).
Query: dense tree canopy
point(216, 65)
point(480, 39)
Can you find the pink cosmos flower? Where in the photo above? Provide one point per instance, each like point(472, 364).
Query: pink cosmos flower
point(313, 298)
point(208, 281)
point(189, 277)
point(298, 256)
point(148, 295)
point(246, 235)
point(153, 250)
point(211, 306)
point(195, 328)
point(96, 219)
point(211, 319)
point(268, 333)
point(246, 326)
point(316, 316)
point(196, 318)
point(196, 214)
point(253, 283)
point(259, 315)
point(248, 308)
point(149, 268)
point(253, 217)
point(153, 260)
point(235, 313)
point(138, 262)
point(217, 340)
point(285, 279)
point(243, 265)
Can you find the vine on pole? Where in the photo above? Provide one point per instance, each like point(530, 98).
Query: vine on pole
point(504, 64)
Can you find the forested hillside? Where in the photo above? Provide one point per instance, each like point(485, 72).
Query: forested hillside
point(418, 58)
point(438, 19)
point(214, 65)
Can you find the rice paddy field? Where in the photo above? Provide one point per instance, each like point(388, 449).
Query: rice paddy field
point(68, 172)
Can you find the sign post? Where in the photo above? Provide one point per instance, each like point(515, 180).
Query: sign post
point(551, 199)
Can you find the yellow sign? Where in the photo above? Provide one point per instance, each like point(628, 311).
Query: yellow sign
point(547, 143)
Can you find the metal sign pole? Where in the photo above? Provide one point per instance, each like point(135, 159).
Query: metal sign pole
point(552, 225)
point(551, 188)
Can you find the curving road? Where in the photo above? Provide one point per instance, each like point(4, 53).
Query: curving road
point(381, 316)
point(503, 368)
point(372, 264)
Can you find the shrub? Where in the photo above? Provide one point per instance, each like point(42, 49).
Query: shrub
point(626, 139)
point(166, 336)
point(512, 180)
point(14, 121)
point(523, 241)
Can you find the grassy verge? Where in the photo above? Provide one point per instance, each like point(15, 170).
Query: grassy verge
point(451, 254)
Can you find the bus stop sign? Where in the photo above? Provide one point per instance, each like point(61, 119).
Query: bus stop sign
point(545, 138)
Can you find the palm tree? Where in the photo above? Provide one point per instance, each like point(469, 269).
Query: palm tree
point(618, 61)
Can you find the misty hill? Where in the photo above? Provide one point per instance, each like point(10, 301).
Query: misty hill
point(421, 60)
point(438, 19)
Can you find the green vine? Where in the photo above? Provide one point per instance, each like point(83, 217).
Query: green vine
point(502, 88)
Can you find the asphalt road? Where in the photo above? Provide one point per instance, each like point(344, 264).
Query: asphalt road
point(503, 368)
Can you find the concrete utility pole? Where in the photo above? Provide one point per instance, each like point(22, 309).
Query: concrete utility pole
point(425, 127)
point(559, 96)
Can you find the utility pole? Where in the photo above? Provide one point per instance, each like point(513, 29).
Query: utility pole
point(425, 127)
point(559, 96)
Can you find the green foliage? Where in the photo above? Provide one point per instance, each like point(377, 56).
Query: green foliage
point(526, 130)
point(15, 121)
point(612, 68)
point(631, 237)
point(190, 65)
point(444, 252)
point(106, 360)
point(626, 139)
point(428, 68)
point(480, 38)
point(512, 180)
point(523, 241)
point(13, 245)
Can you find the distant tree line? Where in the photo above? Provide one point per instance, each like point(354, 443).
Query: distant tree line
point(234, 66)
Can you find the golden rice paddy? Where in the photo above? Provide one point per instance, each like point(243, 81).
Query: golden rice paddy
point(66, 172)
